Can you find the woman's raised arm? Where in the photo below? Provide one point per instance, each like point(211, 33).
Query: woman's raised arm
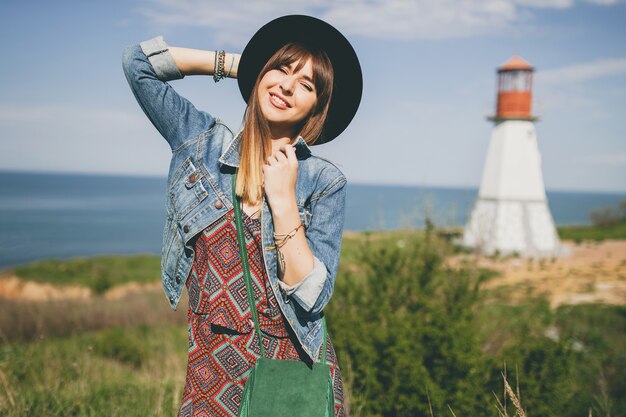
point(200, 62)
point(148, 66)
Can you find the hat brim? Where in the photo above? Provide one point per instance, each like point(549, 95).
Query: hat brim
point(348, 78)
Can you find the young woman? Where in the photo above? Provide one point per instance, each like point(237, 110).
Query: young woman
point(302, 83)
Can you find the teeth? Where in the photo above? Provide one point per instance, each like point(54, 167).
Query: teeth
point(278, 100)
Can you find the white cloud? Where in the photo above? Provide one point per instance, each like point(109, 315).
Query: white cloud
point(583, 71)
point(396, 19)
point(541, 4)
point(604, 2)
point(565, 88)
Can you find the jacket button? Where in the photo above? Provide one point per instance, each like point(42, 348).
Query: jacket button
point(178, 279)
point(171, 299)
point(218, 204)
point(186, 228)
point(192, 178)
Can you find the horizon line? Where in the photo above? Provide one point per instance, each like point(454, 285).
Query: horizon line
point(359, 183)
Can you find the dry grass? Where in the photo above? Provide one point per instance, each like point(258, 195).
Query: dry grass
point(513, 396)
point(70, 376)
point(28, 321)
point(595, 272)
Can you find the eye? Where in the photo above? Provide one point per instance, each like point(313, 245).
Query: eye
point(282, 69)
point(308, 87)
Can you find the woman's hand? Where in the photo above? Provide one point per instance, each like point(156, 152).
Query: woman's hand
point(295, 257)
point(280, 176)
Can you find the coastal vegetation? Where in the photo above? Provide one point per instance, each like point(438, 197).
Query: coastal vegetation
point(606, 223)
point(98, 273)
point(418, 332)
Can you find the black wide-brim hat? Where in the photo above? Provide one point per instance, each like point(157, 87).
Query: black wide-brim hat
point(348, 78)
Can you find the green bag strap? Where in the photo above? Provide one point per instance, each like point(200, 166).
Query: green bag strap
point(323, 359)
point(243, 251)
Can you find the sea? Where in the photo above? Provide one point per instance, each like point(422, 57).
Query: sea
point(63, 216)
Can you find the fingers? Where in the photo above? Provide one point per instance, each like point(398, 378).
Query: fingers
point(290, 151)
point(286, 152)
point(280, 156)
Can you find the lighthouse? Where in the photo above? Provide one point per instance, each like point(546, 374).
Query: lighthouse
point(511, 214)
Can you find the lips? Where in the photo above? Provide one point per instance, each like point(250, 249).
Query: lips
point(279, 101)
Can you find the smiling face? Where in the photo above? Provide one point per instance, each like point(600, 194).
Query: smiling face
point(291, 96)
point(287, 95)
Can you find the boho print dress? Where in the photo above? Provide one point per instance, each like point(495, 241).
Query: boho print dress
point(223, 345)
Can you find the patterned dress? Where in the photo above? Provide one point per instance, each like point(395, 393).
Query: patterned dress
point(223, 345)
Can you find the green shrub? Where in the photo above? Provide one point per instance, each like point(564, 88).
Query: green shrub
point(116, 344)
point(404, 326)
point(101, 284)
point(98, 273)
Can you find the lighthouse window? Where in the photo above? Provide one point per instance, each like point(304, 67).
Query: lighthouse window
point(515, 80)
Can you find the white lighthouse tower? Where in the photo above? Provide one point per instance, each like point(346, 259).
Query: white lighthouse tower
point(511, 213)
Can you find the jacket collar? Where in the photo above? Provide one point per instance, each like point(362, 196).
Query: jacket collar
point(232, 157)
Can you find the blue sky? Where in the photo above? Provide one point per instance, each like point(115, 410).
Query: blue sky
point(429, 81)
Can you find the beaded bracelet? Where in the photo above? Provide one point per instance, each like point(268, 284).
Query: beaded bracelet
point(222, 59)
point(218, 74)
point(220, 66)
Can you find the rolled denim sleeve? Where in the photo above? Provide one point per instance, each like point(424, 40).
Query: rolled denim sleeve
point(309, 288)
point(147, 67)
point(158, 53)
point(324, 236)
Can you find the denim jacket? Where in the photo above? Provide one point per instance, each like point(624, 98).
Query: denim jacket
point(205, 153)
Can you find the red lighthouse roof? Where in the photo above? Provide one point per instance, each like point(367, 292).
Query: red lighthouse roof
point(515, 78)
point(516, 62)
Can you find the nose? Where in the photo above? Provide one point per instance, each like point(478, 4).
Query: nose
point(287, 83)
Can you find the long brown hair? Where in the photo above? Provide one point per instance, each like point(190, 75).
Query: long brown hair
point(256, 144)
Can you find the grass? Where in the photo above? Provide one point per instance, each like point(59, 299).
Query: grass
point(127, 356)
point(32, 321)
point(593, 233)
point(137, 371)
point(98, 273)
point(105, 272)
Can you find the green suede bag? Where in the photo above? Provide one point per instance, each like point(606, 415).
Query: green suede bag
point(281, 388)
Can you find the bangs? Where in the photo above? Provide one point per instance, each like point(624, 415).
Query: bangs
point(297, 52)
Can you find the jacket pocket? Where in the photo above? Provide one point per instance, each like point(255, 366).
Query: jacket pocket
point(187, 189)
point(172, 245)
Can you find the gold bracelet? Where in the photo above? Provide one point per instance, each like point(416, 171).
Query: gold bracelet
point(281, 241)
point(283, 238)
point(294, 230)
